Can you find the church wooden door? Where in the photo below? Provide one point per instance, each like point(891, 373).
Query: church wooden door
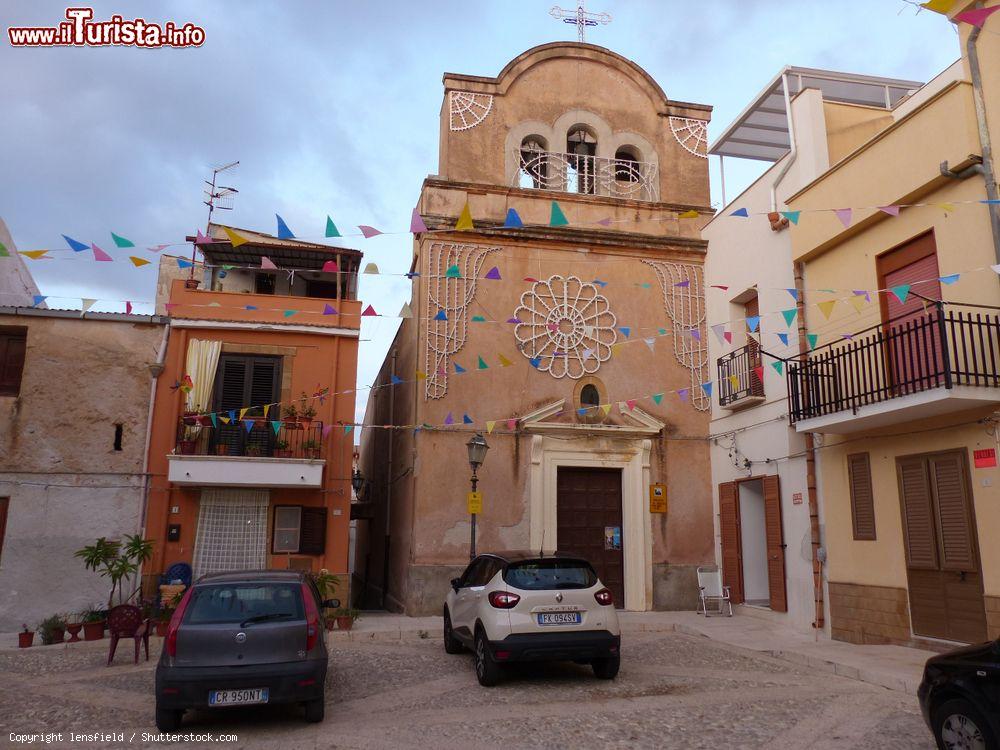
point(589, 522)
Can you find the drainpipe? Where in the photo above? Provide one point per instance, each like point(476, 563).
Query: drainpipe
point(388, 485)
point(791, 139)
point(811, 489)
point(155, 369)
point(989, 175)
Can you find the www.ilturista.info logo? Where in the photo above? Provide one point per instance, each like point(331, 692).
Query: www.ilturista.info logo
point(80, 31)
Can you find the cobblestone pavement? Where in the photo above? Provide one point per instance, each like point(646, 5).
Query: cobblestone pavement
point(673, 691)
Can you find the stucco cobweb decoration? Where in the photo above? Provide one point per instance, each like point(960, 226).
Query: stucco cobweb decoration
point(685, 306)
point(468, 109)
point(567, 328)
point(451, 295)
point(691, 134)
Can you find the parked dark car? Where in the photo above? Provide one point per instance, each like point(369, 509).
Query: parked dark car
point(960, 697)
point(237, 639)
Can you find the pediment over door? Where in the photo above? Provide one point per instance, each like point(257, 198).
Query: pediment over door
point(551, 418)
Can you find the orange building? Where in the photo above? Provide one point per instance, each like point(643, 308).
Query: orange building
point(249, 458)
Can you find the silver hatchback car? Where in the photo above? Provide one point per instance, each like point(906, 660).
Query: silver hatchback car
point(237, 639)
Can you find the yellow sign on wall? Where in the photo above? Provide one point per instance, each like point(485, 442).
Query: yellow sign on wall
point(657, 498)
point(475, 502)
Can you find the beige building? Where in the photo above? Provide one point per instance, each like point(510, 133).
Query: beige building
point(900, 385)
point(575, 343)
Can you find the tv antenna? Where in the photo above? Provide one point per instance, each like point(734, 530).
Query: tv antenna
point(216, 196)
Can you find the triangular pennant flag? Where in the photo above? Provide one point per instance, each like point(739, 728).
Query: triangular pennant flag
point(128, 307)
point(625, 330)
point(478, 318)
point(157, 248)
point(778, 365)
point(215, 304)
point(728, 336)
point(536, 362)
point(232, 415)
point(267, 408)
point(630, 403)
point(481, 365)
point(138, 262)
point(330, 267)
point(453, 272)
point(33, 254)
point(582, 410)
point(902, 291)
point(695, 334)
point(331, 228)
point(740, 212)
point(417, 224)
point(225, 420)
point(556, 217)
point(783, 338)
point(459, 369)
point(504, 362)
point(792, 216)
point(752, 322)
point(348, 428)
point(395, 379)
point(267, 264)
point(284, 233)
point(938, 6)
point(329, 310)
point(289, 313)
point(723, 287)
point(86, 304)
point(513, 221)
point(949, 279)
point(441, 315)
point(250, 307)
point(844, 214)
point(490, 425)
point(651, 343)
point(368, 312)
point(405, 311)
point(734, 382)
point(789, 316)
point(606, 408)
point(234, 239)
point(759, 372)
point(707, 387)
point(243, 412)
point(686, 283)
point(812, 338)
point(371, 268)
point(794, 293)
point(513, 320)
point(275, 425)
point(449, 419)
point(891, 210)
point(530, 279)
point(976, 16)
point(327, 429)
point(369, 232)
point(465, 219)
point(606, 222)
point(121, 241)
point(511, 424)
point(647, 285)
point(75, 245)
point(682, 394)
point(599, 283)
point(421, 375)
point(100, 254)
point(826, 307)
point(657, 398)
point(946, 207)
point(719, 329)
point(690, 214)
point(466, 419)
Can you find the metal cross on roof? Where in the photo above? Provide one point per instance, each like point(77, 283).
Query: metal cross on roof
point(581, 18)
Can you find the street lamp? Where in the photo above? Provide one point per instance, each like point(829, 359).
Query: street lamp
point(477, 447)
point(357, 482)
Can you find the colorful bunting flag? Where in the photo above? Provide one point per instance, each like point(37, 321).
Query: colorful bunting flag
point(695, 334)
point(464, 222)
point(720, 286)
point(844, 214)
point(368, 312)
point(792, 216)
point(405, 311)
point(459, 369)
point(493, 274)
point(826, 307)
point(86, 304)
point(901, 291)
point(794, 293)
point(284, 233)
point(513, 320)
point(682, 394)
point(690, 214)
point(657, 398)
point(812, 338)
point(734, 382)
point(504, 362)
point(728, 336)
point(100, 254)
point(685, 284)
point(718, 329)
point(707, 387)
point(599, 283)
point(331, 228)
point(789, 316)
point(330, 266)
point(511, 424)
point(348, 428)
point(778, 365)
point(121, 241)
point(371, 268)
point(441, 315)
point(449, 420)
point(752, 322)
point(33, 254)
point(556, 217)
point(741, 212)
point(453, 272)
point(759, 372)
point(481, 365)
point(536, 362)
point(289, 313)
point(478, 318)
point(606, 408)
point(128, 308)
point(329, 310)
point(513, 221)
point(421, 375)
point(949, 279)
point(606, 222)
point(625, 330)
point(138, 262)
point(395, 380)
point(369, 232)
point(327, 429)
point(651, 343)
point(783, 338)
point(75, 245)
point(891, 210)
point(976, 16)
point(417, 224)
point(235, 239)
point(490, 425)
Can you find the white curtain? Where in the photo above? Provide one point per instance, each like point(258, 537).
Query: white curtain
point(202, 362)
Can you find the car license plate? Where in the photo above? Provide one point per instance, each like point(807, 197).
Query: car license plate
point(559, 618)
point(237, 697)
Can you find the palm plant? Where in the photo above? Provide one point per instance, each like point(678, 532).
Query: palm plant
point(117, 561)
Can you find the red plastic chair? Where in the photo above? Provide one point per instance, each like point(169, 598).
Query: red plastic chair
point(125, 621)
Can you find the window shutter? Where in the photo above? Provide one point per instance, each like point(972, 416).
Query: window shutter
point(775, 545)
point(921, 544)
point(312, 540)
point(13, 344)
point(729, 530)
point(957, 549)
point(263, 382)
point(232, 377)
point(862, 499)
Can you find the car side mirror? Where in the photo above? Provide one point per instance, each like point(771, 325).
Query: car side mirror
point(331, 603)
point(456, 583)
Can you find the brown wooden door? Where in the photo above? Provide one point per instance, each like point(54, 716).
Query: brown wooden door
point(775, 545)
point(729, 532)
point(588, 511)
point(942, 560)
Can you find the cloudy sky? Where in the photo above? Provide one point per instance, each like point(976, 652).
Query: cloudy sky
point(332, 108)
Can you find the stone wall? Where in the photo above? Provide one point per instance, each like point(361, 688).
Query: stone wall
point(869, 614)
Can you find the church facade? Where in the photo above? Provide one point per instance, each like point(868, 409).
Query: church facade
point(558, 308)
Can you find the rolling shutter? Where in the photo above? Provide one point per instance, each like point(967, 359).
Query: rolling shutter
point(775, 544)
point(312, 540)
point(729, 531)
point(862, 499)
point(957, 549)
point(921, 545)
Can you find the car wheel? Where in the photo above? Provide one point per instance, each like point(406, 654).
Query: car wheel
point(315, 709)
point(958, 724)
point(607, 669)
point(168, 719)
point(487, 670)
point(451, 643)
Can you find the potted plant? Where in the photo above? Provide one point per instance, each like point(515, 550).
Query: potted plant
point(52, 630)
point(307, 412)
point(345, 617)
point(291, 417)
point(221, 449)
point(252, 451)
point(93, 623)
point(119, 561)
point(190, 417)
point(311, 448)
point(281, 449)
point(326, 583)
point(25, 637)
point(74, 623)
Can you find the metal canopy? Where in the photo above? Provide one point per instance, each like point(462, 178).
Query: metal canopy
point(286, 254)
point(761, 130)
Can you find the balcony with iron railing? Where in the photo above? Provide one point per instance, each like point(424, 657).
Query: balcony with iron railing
point(739, 379)
point(939, 362)
point(250, 452)
point(586, 175)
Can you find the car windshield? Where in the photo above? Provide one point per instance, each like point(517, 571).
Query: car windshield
point(242, 602)
point(535, 575)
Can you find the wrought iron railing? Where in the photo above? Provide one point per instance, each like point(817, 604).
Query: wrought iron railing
point(941, 348)
point(739, 375)
point(587, 175)
point(252, 438)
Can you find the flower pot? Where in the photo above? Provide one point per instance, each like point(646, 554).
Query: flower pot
point(93, 631)
point(282, 453)
point(191, 283)
point(330, 623)
point(73, 628)
point(189, 419)
point(186, 447)
point(292, 424)
point(24, 640)
point(312, 453)
point(58, 635)
point(345, 623)
point(161, 628)
point(222, 450)
point(306, 420)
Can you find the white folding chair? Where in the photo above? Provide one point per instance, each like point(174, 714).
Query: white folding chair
point(713, 592)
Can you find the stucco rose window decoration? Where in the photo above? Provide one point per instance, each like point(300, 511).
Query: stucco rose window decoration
point(566, 327)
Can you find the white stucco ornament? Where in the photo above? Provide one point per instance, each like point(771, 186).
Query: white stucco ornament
point(566, 327)
point(467, 109)
point(691, 134)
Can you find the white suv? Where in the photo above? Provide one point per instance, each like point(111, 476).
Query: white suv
point(522, 606)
